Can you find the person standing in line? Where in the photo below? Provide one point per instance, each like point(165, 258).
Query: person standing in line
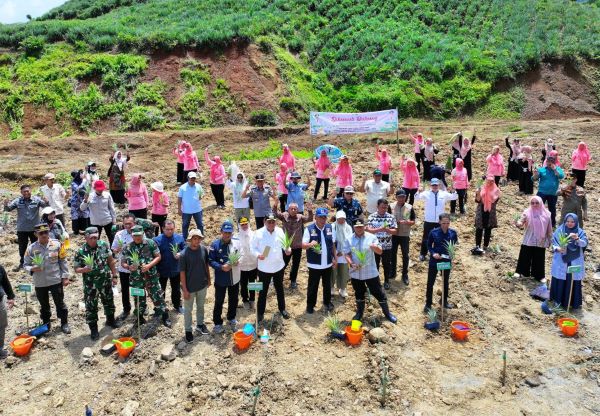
point(411, 180)
point(375, 190)
point(80, 220)
point(418, 142)
point(160, 206)
point(428, 152)
point(178, 153)
point(137, 196)
point(168, 268)
point(319, 242)
point(385, 162)
point(580, 158)
point(296, 191)
point(486, 218)
point(348, 204)
point(102, 210)
point(323, 166)
point(116, 177)
point(28, 216)
point(574, 200)
point(123, 238)
point(260, 195)
point(189, 203)
point(525, 161)
point(513, 172)
point(281, 179)
point(7, 301)
point(287, 157)
point(460, 181)
point(549, 177)
point(190, 160)
point(383, 225)
point(435, 204)
point(343, 175)
point(495, 164)
point(217, 178)
point(266, 246)
point(340, 273)
point(248, 262)
point(54, 194)
point(241, 206)
point(464, 150)
point(194, 277)
point(548, 147)
point(405, 219)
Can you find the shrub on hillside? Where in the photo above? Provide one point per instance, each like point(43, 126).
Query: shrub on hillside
point(263, 118)
point(150, 93)
point(33, 46)
point(144, 118)
point(191, 104)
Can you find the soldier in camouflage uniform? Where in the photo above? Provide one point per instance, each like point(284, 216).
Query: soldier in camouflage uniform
point(144, 275)
point(147, 225)
point(97, 280)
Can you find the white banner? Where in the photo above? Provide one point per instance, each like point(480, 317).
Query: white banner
point(353, 123)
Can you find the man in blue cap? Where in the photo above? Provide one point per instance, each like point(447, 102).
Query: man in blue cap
point(319, 242)
point(227, 277)
point(296, 191)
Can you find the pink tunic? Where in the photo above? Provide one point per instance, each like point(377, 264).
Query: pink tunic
point(160, 203)
point(385, 162)
point(282, 179)
point(495, 165)
point(344, 175)
point(190, 160)
point(137, 194)
point(217, 170)
point(322, 166)
point(411, 175)
point(288, 158)
point(178, 151)
point(460, 179)
point(418, 142)
point(580, 158)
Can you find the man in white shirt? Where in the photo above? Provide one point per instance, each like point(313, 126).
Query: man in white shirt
point(54, 194)
point(122, 238)
point(435, 204)
point(266, 246)
point(375, 190)
point(319, 242)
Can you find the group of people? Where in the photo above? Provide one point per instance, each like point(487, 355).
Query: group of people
point(342, 239)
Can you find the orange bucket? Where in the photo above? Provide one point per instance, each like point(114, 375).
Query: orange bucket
point(568, 326)
point(460, 330)
point(242, 341)
point(22, 344)
point(354, 337)
point(125, 346)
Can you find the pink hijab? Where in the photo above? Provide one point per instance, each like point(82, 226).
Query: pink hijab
point(344, 172)
point(323, 161)
point(581, 155)
point(385, 161)
point(489, 193)
point(411, 174)
point(554, 154)
point(287, 157)
point(538, 218)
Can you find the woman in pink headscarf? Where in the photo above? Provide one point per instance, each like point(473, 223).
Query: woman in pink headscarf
point(322, 166)
point(485, 215)
point(217, 178)
point(495, 164)
point(554, 154)
point(460, 182)
point(411, 180)
point(538, 235)
point(190, 160)
point(178, 153)
point(580, 159)
point(418, 141)
point(281, 179)
point(288, 158)
point(525, 162)
point(343, 174)
point(385, 163)
point(137, 196)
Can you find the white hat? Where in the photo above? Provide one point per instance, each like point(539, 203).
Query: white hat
point(49, 176)
point(157, 186)
point(192, 175)
point(48, 210)
point(340, 214)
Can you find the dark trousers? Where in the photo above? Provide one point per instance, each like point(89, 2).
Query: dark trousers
point(386, 258)
point(532, 262)
point(139, 213)
point(217, 191)
point(427, 169)
point(232, 302)
point(124, 278)
point(411, 194)
point(314, 277)
point(175, 289)
point(58, 296)
point(118, 196)
point(160, 220)
point(108, 229)
point(340, 192)
point(24, 238)
point(551, 200)
point(295, 257)
point(180, 177)
point(318, 187)
point(418, 160)
point(265, 278)
point(432, 274)
point(282, 202)
point(485, 233)
point(404, 243)
point(427, 227)
point(497, 180)
point(247, 276)
point(260, 222)
point(462, 197)
point(79, 225)
point(374, 285)
point(580, 175)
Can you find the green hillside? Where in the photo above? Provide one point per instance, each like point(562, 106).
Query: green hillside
point(427, 58)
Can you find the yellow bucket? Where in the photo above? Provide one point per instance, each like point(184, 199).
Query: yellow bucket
point(355, 325)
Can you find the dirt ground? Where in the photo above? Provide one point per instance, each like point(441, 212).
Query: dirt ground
point(301, 371)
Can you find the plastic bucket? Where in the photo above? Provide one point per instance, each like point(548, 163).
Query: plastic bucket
point(125, 346)
point(460, 330)
point(22, 344)
point(568, 326)
point(354, 337)
point(242, 341)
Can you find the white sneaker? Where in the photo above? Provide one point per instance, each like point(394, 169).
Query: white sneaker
point(543, 280)
point(516, 275)
point(343, 293)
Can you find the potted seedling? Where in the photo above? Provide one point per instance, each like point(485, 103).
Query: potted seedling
point(335, 327)
point(433, 324)
point(38, 261)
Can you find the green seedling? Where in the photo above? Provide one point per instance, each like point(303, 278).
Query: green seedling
point(38, 260)
point(563, 240)
point(432, 316)
point(234, 258)
point(361, 256)
point(334, 324)
point(88, 260)
point(317, 248)
point(451, 248)
point(134, 258)
point(286, 241)
point(174, 249)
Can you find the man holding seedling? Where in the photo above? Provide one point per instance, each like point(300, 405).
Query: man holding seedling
point(359, 251)
point(440, 244)
point(189, 203)
point(348, 204)
point(123, 238)
point(405, 218)
point(260, 195)
point(435, 203)
point(170, 245)
point(292, 223)
point(375, 190)
point(248, 262)
point(28, 216)
point(383, 225)
point(319, 242)
point(95, 262)
point(224, 258)
point(48, 266)
point(296, 191)
point(140, 257)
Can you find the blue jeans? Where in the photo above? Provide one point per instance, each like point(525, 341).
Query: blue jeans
point(187, 219)
point(551, 200)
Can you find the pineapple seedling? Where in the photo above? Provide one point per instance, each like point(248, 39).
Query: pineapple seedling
point(88, 260)
point(200, 192)
point(432, 316)
point(334, 324)
point(385, 224)
point(234, 258)
point(361, 256)
point(88, 189)
point(5, 219)
point(115, 148)
point(317, 248)
point(286, 241)
point(38, 260)
point(563, 240)
point(135, 260)
point(126, 147)
point(451, 248)
point(174, 249)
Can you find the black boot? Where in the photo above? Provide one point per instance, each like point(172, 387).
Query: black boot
point(386, 312)
point(166, 321)
point(112, 322)
point(94, 334)
point(360, 310)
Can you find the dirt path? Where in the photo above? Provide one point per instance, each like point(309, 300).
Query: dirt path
point(301, 371)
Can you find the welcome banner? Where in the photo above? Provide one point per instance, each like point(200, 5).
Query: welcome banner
point(353, 123)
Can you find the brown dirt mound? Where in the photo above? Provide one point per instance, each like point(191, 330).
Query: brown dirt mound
point(40, 120)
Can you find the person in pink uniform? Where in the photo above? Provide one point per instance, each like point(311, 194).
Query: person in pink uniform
point(322, 165)
point(343, 174)
point(281, 179)
point(460, 181)
point(418, 141)
point(580, 158)
point(178, 153)
point(411, 180)
point(217, 178)
point(288, 158)
point(160, 206)
point(495, 164)
point(554, 154)
point(385, 163)
point(137, 197)
point(190, 160)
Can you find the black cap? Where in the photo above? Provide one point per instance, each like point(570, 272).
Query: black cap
point(400, 192)
point(259, 177)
